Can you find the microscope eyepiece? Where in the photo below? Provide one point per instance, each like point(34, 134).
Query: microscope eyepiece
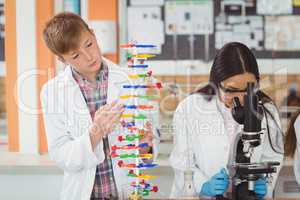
point(252, 121)
point(237, 111)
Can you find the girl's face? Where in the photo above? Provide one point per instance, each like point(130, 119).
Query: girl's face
point(235, 86)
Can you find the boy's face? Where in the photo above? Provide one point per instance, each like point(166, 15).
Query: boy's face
point(87, 58)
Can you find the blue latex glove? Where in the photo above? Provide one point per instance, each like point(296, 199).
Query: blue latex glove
point(217, 185)
point(260, 188)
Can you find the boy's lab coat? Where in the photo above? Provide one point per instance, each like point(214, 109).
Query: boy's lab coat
point(207, 148)
point(67, 120)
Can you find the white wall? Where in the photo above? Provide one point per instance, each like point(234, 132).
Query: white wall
point(26, 90)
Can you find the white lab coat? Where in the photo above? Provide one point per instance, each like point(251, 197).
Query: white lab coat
point(67, 121)
point(297, 153)
point(207, 148)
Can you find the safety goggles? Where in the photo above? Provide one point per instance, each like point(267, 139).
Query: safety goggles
point(233, 91)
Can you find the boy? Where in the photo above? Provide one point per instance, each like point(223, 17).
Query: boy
point(80, 111)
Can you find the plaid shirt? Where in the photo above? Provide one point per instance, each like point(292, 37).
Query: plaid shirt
point(95, 95)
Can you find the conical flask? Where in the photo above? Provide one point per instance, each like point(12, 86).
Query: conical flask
point(188, 191)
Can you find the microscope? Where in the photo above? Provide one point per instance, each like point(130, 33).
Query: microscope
point(243, 172)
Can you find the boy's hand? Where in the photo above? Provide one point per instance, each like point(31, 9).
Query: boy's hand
point(105, 120)
point(147, 138)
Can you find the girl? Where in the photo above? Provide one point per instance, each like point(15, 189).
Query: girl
point(205, 129)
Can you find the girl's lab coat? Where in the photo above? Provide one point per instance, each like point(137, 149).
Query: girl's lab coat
point(67, 120)
point(202, 144)
point(297, 153)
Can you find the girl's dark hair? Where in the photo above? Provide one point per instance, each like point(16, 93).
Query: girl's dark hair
point(232, 59)
point(290, 138)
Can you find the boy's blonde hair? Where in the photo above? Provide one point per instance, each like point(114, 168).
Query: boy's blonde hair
point(63, 31)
